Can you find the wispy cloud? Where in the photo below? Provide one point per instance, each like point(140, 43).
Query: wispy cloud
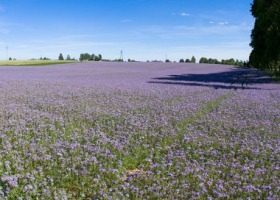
point(223, 23)
point(183, 14)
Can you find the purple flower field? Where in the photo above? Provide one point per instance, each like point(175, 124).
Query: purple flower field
point(99, 130)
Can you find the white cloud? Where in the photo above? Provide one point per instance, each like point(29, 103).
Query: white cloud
point(223, 23)
point(184, 14)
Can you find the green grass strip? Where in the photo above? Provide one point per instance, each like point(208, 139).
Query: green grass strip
point(208, 108)
point(34, 62)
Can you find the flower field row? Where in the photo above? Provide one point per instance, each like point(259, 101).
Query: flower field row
point(82, 131)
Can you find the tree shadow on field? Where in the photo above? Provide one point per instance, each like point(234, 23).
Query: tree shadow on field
point(239, 78)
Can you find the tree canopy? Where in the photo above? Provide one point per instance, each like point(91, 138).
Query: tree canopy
point(60, 57)
point(193, 60)
point(230, 61)
point(265, 37)
point(92, 57)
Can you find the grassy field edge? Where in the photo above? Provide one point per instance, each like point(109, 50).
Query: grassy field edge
point(34, 62)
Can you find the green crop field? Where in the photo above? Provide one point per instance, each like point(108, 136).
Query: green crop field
point(33, 62)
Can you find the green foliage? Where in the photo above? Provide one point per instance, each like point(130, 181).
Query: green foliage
point(118, 60)
point(274, 75)
point(60, 57)
point(230, 61)
point(34, 62)
point(131, 60)
point(203, 60)
point(84, 56)
point(266, 35)
point(167, 61)
point(193, 60)
point(213, 61)
point(92, 57)
point(99, 57)
point(45, 58)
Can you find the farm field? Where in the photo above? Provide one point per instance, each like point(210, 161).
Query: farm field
point(138, 131)
point(33, 62)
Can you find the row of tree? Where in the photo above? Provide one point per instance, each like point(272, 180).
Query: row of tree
point(192, 60)
point(83, 57)
point(224, 62)
point(60, 57)
point(93, 57)
point(90, 57)
point(265, 37)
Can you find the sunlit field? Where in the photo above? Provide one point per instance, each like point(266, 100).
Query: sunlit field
point(138, 131)
point(33, 62)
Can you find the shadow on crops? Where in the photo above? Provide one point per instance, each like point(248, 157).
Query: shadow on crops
point(241, 78)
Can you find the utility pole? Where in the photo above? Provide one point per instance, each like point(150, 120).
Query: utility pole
point(121, 58)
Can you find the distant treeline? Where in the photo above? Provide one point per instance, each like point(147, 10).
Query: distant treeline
point(94, 57)
point(90, 57)
point(60, 57)
point(192, 60)
point(230, 61)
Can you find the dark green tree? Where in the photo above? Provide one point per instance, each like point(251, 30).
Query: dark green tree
point(98, 58)
point(181, 60)
point(84, 56)
point(265, 36)
point(167, 61)
point(203, 60)
point(68, 57)
point(211, 61)
point(60, 57)
point(92, 57)
point(193, 60)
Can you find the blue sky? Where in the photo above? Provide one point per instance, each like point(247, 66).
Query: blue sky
point(142, 29)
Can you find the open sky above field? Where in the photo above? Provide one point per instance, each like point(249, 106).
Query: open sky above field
point(142, 29)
